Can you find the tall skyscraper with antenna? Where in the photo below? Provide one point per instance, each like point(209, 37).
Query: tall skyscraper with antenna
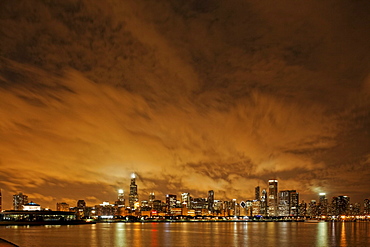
point(133, 196)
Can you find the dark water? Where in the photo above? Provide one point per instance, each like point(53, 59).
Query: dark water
point(192, 234)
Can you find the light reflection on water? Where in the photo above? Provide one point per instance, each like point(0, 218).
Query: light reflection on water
point(192, 234)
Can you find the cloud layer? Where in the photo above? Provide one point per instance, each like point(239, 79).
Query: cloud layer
point(190, 95)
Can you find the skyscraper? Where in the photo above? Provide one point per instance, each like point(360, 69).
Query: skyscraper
point(340, 205)
point(185, 200)
point(210, 200)
point(151, 199)
point(288, 203)
point(257, 193)
point(133, 196)
point(323, 205)
point(1, 201)
point(366, 207)
point(264, 202)
point(170, 202)
point(19, 200)
point(120, 198)
point(273, 198)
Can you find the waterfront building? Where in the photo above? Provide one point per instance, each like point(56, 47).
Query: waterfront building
point(322, 209)
point(145, 206)
point(302, 209)
point(340, 205)
point(36, 217)
point(354, 209)
point(312, 209)
point(31, 206)
point(273, 198)
point(211, 198)
point(170, 202)
point(257, 195)
point(106, 210)
point(217, 208)
point(185, 200)
point(288, 203)
point(151, 199)
point(256, 207)
point(63, 207)
point(263, 210)
point(157, 206)
point(249, 207)
point(81, 209)
point(19, 200)
point(284, 203)
point(81, 204)
point(200, 205)
point(366, 207)
point(133, 196)
point(120, 198)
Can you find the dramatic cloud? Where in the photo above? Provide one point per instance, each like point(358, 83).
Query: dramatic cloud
point(190, 95)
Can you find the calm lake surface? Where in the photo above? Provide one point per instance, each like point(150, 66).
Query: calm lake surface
point(192, 234)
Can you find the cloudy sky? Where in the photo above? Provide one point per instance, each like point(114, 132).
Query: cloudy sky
point(191, 95)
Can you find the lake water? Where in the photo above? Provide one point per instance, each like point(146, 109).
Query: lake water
point(192, 234)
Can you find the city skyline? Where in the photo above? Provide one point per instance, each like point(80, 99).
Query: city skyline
point(271, 195)
point(197, 95)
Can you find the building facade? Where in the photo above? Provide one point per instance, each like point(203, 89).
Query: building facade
point(19, 200)
point(273, 198)
point(133, 196)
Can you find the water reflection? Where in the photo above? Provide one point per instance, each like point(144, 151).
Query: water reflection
point(322, 234)
point(194, 234)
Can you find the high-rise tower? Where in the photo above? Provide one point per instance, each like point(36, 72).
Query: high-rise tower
point(257, 193)
point(211, 198)
point(120, 198)
point(151, 199)
point(133, 196)
point(19, 200)
point(273, 198)
point(1, 201)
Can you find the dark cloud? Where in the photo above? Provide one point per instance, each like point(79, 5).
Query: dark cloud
point(191, 95)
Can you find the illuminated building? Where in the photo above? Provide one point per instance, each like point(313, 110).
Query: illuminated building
point(157, 205)
point(256, 207)
point(366, 207)
point(210, 200)
point(120, 198)
point(340, 205)
point(217, 207)
point(288, 203)
point(273, 198)
point(170, 202)
point(105, 210)
point(81, 209)
point(133, 196)
point(323, 205)
point(354, 209)
point(31, 206)
point(312, 209)
point(19, 200)
point(257, 193)
point(81, 204)
point(145, 206)
point(62, 206)
point(151, 199)
point(302, 209)
point(185, 200)
point(200, 205)
point(263, 210)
